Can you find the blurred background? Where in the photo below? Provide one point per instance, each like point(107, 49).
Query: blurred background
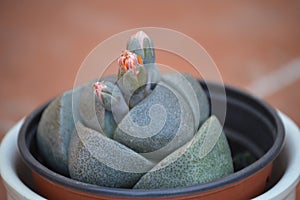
point(255, 44)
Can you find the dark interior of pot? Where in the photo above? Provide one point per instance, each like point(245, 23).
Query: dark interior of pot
point(250, 125)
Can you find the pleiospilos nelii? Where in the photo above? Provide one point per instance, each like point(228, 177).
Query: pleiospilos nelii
point(139, 129)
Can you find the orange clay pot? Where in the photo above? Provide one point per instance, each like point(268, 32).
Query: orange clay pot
point(250, 125)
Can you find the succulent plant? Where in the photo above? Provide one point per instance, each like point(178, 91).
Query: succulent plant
point(139, 129)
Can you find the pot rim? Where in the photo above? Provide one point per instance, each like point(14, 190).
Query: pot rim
point(231, 179)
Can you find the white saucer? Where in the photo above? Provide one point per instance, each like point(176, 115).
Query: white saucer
point(286, 173)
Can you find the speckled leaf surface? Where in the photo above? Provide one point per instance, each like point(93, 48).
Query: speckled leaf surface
point(206, 158)
point(96, 159)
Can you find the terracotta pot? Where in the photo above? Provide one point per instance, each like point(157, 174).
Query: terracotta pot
point(250, 125)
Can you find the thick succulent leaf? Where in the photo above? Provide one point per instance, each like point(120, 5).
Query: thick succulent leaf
point(158, 125)
point(206, 158)
point(142, 76)
point(142, 45)
point(113, 101)
point(109, 124)
point(148, 77)
point(89, 110)
point(201, 96)
point(133, 86)
point(149, 54)
point(192, 92)
point(54, 132)
point(153, 73)
point(57, 123)
point(128, 84)
point(96, 159)
point(134, 46)
point(110, 94)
